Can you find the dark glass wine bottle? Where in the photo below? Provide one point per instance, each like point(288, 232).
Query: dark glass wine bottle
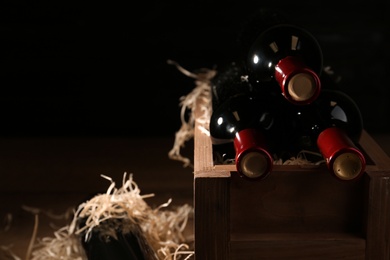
point(119, 239)
point(247, 124)
point(253, 123)
point(331, 125)
point(235, 121)
point(277, 50)
point(292, 57)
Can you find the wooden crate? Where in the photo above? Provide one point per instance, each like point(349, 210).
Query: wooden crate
point(297, 212)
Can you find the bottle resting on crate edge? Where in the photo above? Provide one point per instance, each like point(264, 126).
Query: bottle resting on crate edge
point(331, 125)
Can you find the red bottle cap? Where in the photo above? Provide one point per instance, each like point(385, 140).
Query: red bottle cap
point(343, 158)
point(253, 161)
point(299, 84)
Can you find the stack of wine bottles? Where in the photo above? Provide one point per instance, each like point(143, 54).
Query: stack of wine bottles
point(277, 101)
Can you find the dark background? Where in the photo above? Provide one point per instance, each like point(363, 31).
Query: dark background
point(70, 68)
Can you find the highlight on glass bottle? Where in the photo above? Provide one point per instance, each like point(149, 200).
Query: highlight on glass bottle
point(289, 56)
point(338, 142)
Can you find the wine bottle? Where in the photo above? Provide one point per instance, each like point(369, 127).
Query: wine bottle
point(234, 121)
point(331, 125)
point(285, 53)
point(116, 238)
point(253, 123)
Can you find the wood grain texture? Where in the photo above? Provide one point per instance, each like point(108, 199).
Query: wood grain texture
point(378, 216)
point(307, 246)
point(211, 205)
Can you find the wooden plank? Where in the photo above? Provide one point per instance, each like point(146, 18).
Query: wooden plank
point(298, 247)
point(375, 153)
point(203, 150)
point(378, 216)
point(212, 218)
point(296, 202)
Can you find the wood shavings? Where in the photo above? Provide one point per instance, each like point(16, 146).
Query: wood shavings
point(202, 91)
point(34, 235)
point(301, 159)
point(7, 221)
point(163, 227)
point(125, 202)
point(64, 245)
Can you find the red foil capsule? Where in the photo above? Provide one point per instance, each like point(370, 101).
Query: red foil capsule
point(343, 158)
point(299, 84)
point(253, 161)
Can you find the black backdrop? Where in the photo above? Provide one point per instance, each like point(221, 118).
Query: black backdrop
point(74, 68)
